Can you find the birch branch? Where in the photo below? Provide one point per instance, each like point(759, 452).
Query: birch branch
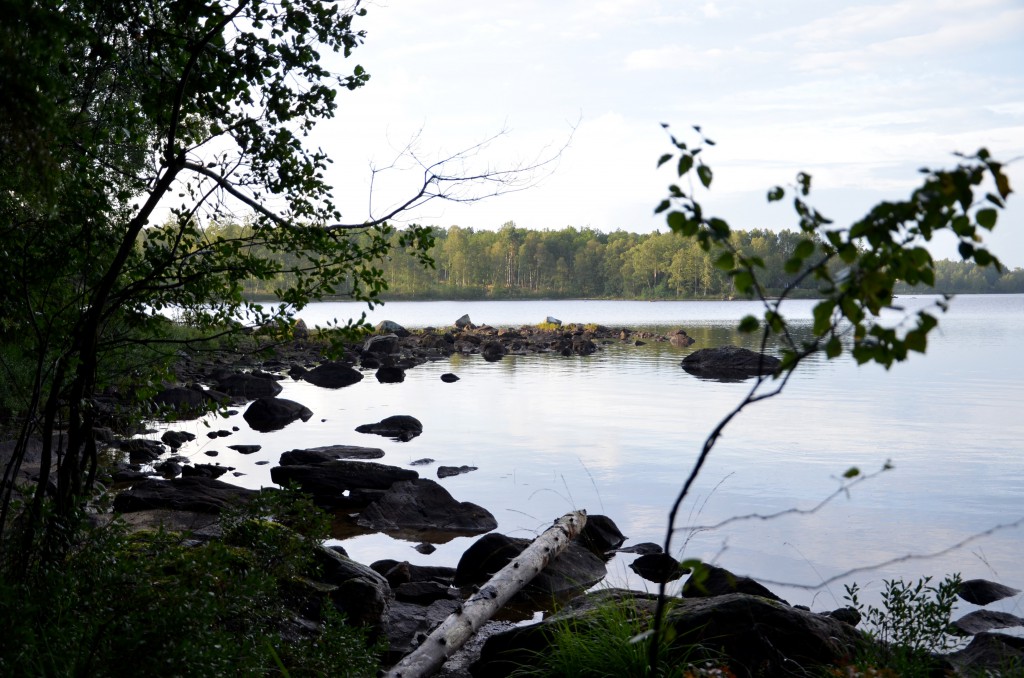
point(492, 596)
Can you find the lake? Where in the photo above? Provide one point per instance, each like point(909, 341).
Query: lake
point(617, 432)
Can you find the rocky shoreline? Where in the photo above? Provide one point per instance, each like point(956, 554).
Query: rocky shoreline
point(729, 615)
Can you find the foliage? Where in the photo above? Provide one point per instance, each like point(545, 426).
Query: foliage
point(609, 642)
point(912, 623)
point(854, 270)
point(173, 605)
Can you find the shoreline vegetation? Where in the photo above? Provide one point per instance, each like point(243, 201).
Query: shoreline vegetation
point(572, 263)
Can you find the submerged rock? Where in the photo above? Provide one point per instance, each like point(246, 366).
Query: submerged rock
point(729, 363)
point(400, 427)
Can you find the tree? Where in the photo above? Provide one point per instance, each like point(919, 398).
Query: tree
point(854, 271)
point(116, 111)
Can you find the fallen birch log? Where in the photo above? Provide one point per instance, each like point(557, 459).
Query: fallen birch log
point(460, 626)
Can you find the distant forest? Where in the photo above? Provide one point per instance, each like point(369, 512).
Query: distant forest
point(518, 263)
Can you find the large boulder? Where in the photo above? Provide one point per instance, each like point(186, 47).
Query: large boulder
point(400, 427)
point(390, 374)
point(729, 363)
point(754, 636)
point(391, 327)
point(574, 570)
point(601, 535)
point(203, 471)
point(142, 450)
point(202, 495)
point(464, 322)
point(249, 386)
point(422, 505)
point(989, 654)
point(983, 592)
point(384, 344)
point(176, 439)
point(680, 339)
point(717, 581)
point(333, 375)
point(341, 484)
point(362, 595)
point(271, 414)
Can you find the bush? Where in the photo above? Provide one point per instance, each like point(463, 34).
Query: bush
point(160, 603)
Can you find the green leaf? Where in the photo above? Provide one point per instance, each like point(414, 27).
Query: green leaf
point(726, 261)
point(833, 348)
point(663, 159)
point(685, 163)
point(704, 172)
point(804, 249)
point(662, 206)
point(851, 472)
point(966, 250)
point(793, 265)
point(776, 194)
point(823, 316)
point(743, 281)
point(749, 324)
point(986, 218)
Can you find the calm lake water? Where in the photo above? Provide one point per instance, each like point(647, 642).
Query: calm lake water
point(617, 432)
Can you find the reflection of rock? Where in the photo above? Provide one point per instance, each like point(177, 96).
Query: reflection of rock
point(390, 374)
point(424, 505)
point(332, 375)
point(493, 351)
point(729, 363)
point(271, 414)
point(202, 495)
point(399, 427)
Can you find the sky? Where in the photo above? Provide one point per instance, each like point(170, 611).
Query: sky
point(858, 94)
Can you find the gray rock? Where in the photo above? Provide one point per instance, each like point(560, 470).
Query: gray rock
point(400, 427)
point(449, 378)
point(203, 471)
point(342, 484)
point(717, 581)
point(319, 455)
point(449, 471)
point(978, 621)
point(400, 572)
point(245, 449)
point(729, 363)
point(658, 567)
point(551, 320)
point(601, 534)
point(385, 344)
point(202, 495)
point(989, 654)
point(464, 322)
point(389, 374)
point(493, 351)
point(176, 439)
point(983, 592)
point(271, 414)
point(249, 386)
point(391, 327)
point(332, 375)
point(680, 339)
point(641, 548)
point(362, 595)
point(141, 450)
point(423, 505)
point(849, 615)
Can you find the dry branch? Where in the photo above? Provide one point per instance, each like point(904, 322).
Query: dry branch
point(492, 596)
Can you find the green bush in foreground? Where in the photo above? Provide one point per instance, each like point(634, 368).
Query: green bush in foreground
point(155, 603)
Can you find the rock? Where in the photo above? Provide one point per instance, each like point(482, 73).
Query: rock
point(168, 469)
point(391, 327)
point(574, 570)
point(390, 375)
point(245, 449)
point(337, 484)
point(717, 581)
point(141, 450)
point(978, 621)
point(464, 322)
point(983, 592)
point(249, 386)
point(332, 375)
point(449, 471)
point(409, 624)
point(849, 615)
point(176, 439)
point(551, 320)
point(425, 548)
point(449, 378)
point(729, 363)
point(989, 654)
point(423, 505)
point(424, 592)
point(319, 455)
point(601, 535)
point(386, 344)
point(493, 351)
point(760, 637)
point(300, 332)
point(421, 462)
point(400, 427)
point(202, 495)
point(211, 453)
point(409, 572)
point(271, 414)
point(658, 567)
point(680, 339)
point(203, 471)
point(641, 548)
point(362, 595)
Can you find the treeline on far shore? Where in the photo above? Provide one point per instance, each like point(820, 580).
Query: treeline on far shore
point(518, 263)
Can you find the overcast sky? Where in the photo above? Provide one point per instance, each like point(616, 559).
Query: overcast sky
point(859, 94)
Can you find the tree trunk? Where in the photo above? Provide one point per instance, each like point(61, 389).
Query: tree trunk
point(492, 596)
